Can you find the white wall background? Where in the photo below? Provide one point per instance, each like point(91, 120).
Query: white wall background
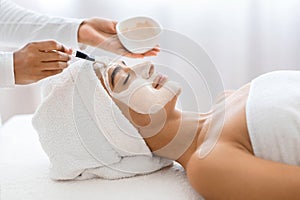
point(244, 38)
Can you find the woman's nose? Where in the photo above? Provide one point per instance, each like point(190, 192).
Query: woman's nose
point(145, 70)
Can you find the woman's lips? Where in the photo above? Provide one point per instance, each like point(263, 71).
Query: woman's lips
point(159, 81)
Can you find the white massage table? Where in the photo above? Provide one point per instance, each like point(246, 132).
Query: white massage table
point(24, 174)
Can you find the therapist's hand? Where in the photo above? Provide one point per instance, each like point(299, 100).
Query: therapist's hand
point(101, 33)
point(38, 60)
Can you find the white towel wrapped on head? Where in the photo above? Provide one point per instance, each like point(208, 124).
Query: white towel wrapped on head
point(84, 133)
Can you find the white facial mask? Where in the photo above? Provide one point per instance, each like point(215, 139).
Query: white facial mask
point(140, 95)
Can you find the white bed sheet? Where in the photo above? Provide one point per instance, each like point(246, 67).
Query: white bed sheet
point(24, 174)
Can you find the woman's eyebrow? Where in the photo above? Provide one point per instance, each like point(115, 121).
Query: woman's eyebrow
point(113, 75)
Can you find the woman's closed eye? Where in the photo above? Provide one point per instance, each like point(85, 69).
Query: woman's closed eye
point(126, 80)
point(120, 78)
point(119, 67)
point(114, 75)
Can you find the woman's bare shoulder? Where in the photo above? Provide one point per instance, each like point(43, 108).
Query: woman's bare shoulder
point(229, 172)
point(205, 174)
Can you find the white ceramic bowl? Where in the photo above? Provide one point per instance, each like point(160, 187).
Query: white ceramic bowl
point(139, 34)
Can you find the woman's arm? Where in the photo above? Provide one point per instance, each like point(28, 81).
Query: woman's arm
point(20, 26)
point(231, 173)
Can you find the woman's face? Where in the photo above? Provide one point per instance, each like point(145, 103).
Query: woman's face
point(140, 88)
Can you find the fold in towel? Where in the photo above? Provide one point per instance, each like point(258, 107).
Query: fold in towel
point(84, 133)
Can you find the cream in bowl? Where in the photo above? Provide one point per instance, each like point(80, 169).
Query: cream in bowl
point(139, 34)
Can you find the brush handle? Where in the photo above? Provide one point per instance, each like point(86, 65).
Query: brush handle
point(82, 55)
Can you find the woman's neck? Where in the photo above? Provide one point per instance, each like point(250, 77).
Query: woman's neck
point(177, 137)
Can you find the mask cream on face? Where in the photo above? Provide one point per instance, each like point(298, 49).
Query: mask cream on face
point(141, 96)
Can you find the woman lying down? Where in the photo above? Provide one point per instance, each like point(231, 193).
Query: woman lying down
point(113, 121)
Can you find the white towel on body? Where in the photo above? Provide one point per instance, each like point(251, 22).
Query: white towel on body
point(84, 133)
point(273, 116)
